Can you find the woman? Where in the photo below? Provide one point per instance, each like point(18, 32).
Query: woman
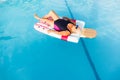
point(64, 26)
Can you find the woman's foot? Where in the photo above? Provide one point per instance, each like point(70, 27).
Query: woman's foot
point(37, 17)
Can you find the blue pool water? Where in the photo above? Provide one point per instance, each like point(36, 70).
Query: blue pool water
point(26, 54)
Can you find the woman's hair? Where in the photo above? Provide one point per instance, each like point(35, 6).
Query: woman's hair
point(68, 19)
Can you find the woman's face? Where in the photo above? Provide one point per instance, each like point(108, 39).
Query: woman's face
point(71, 27)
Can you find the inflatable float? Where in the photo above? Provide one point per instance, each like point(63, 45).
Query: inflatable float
point(43, 27)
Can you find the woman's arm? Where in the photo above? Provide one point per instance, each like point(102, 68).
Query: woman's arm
point(64, 33)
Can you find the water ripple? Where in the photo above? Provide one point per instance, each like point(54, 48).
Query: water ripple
point(6, 38)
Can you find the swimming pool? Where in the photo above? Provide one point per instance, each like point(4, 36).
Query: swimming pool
point(26, 54)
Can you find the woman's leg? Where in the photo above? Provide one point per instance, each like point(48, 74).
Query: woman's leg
point(52, 14)
point(50, 22)
point(36, 17)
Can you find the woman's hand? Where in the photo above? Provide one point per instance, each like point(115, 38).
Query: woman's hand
point(50, 31)
point(64, 33)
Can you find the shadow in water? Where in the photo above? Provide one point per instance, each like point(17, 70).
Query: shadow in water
point(6, 38)
point(2, 32)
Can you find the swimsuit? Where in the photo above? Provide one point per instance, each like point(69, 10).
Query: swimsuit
point(61, 25)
